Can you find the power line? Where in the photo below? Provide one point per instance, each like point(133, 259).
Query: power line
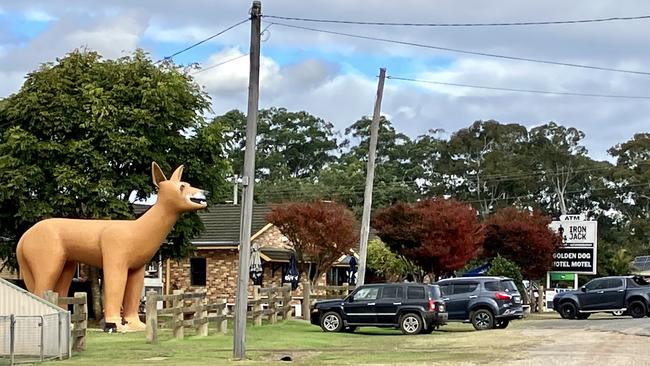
point(232, 59)
point(521, 90)
point(485, 54)
point(204, 40)
point(219, 64)
point(550, 22)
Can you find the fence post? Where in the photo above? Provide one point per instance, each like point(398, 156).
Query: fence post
point(80, 326)
point(257, 307)
point(52, 297)
point(151, 311)
point(286, 301)
point(42, 326)
point(179, 317)
point(12, 338)
point(223, 325)
point(202, 315)
point(273, 305)
point(306, 300)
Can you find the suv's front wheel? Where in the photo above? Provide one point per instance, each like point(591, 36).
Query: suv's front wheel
point(331, 322)
point(410, 323)
point(482, 319)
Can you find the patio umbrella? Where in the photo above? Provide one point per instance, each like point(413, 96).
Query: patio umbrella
point(292, 275)
point(256, 265)
point(352, 272)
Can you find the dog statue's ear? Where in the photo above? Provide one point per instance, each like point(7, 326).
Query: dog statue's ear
point(176, 176)
point(157, 174)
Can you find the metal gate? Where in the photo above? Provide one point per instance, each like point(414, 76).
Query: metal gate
point(34, 338)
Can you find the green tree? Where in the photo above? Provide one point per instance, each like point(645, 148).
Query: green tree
point(565, 177)
point(289, 144)
point(396, 173)
point(501, 266)
point(479, 157)
point(632, 176)
point(389, 265)
point(77, 140)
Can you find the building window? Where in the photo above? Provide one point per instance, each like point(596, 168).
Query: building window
point(197, 271)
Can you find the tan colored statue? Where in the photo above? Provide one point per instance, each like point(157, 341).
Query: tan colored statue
point(49, 251)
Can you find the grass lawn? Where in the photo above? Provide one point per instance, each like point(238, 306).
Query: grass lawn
point(455, 344)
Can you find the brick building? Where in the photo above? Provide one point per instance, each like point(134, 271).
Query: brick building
point(214, 265)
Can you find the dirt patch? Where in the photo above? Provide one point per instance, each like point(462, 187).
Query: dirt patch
point(576, 347)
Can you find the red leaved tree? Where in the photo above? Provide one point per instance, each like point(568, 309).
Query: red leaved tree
point(439, 235)
point(319, 231)
point(522, 237)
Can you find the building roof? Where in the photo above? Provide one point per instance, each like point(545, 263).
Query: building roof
point(222, 223)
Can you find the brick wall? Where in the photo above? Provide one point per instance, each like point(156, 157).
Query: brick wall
point(222, 269)
point(221, 275)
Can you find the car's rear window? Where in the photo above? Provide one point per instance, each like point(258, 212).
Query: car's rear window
point(435, 292)
point(415, 292)
point(508, 285)
point(503, 285)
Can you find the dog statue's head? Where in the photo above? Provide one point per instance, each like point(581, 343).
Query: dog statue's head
point(176, 194)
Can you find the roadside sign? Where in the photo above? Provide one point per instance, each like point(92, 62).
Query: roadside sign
point(579, 217)
point(579, 245)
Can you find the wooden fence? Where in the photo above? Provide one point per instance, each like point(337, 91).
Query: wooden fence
point(199, 314)
point(79, 316)
point(312, 294)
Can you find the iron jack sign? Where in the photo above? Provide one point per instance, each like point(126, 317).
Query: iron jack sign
point(579, 245)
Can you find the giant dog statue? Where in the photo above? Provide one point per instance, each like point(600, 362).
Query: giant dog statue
point(49, 251)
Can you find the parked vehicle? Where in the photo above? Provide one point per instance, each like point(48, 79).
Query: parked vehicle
point(616, 294)
point(412, 307)
point(486, 302)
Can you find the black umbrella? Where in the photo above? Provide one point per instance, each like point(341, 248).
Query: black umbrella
point(256, 265)
point(352, 272)
point(292, 275)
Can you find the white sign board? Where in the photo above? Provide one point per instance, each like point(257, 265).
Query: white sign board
point(579, 250)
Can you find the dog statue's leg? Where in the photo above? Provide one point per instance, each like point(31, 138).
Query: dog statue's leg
point(132, 296)
point(115, 274)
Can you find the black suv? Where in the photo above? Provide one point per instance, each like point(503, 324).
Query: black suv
point(413, 308)
point(487, 302)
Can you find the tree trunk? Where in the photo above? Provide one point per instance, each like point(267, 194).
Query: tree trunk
point(96, 291)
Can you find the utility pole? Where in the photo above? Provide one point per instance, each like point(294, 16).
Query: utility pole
point(248, 181)
point(370, 177)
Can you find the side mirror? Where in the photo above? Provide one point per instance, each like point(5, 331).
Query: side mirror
point(583, 289)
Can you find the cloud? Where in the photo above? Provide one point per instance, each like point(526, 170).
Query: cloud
point(328, 75)
point(39, 16)
point(160, 33)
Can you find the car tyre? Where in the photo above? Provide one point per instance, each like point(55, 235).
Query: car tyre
point(637, 309)
point(582, 316)
point(331, 322)
point(568, 310)
point(501, 324)
point(410, 324)
point(618, 312)
point(482, 319)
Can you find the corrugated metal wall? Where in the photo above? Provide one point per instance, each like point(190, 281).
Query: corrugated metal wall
point(14, 300)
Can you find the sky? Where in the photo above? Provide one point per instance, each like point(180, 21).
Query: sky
point(335, 77)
